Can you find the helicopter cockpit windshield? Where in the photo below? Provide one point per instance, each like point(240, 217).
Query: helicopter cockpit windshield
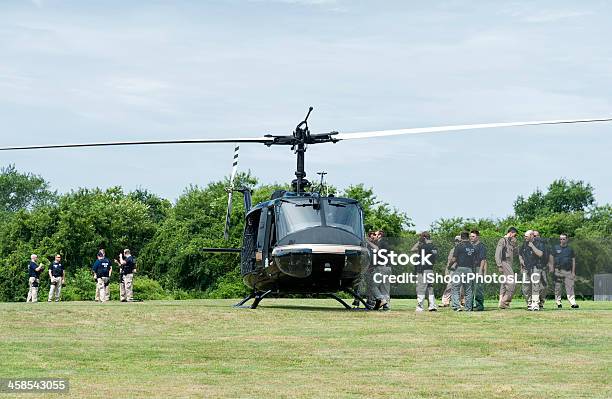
point(302, 213)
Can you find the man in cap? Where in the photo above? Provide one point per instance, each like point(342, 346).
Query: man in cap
point(480, 267)
point(529, 257)
point(565, 271)
point(446, 296)
point(127, 268)
point(103, 269)
point(465, 258)
point(56, 277)
point(504, 256)
point(424, 272)
point(34, 270)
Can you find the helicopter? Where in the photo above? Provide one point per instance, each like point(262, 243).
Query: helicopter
point(301, 241)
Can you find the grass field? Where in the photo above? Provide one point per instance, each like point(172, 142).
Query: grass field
point(307, 348)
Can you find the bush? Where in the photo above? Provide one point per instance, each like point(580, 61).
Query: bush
point(228, 286)
point(146, 288)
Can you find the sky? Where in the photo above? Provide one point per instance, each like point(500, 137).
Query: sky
point(74, 71)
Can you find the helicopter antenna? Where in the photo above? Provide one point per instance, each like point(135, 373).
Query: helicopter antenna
point(322, 183)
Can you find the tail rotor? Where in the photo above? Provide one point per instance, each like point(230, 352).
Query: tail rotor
point(230, 191)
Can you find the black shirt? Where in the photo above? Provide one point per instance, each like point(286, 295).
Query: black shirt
point(481, 253)
point(465, 254)
point(57, 269)
point(102, 267)
point(32, 270)
point(530, 259)
point(130, 265)
point(563, 257)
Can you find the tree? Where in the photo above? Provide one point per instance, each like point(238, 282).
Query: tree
point(562, 197)
point(379, 215)
point(22, 190)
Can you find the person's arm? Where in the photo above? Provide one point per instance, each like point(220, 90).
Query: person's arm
point(521, 262)
point(535, 250)
point(122, 261)
point(498, 253)
point(50, 275)
point(574, 267)
point(40, 267)
point(551, 263)
point(415, 247)
point(63, 276)
point(483, 260)
point(110, 271)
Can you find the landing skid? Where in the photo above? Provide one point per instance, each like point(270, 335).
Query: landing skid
point(359, 298)
point(258, 296)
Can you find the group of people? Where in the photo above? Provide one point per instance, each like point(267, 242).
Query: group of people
point(538, 261)
point(102, 270)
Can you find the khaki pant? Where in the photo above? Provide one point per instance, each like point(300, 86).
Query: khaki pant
point(33, 291)
point(55, 288)
point(125, 287)
point(506, 290)
point(566, 277)
point(104, 287)
point(425, 290)
point(532, 286)
point(446, 296)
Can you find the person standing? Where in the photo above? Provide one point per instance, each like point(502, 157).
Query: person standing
point(103, 270)
point(446, 296)
point(424, 271)
point(56, 277)
point(529, 257)
point(127, 269)
point(480, 268)
point(504, 256)
point(34, 270)
point(465, 256)
point(565, 271)
point(545, 265)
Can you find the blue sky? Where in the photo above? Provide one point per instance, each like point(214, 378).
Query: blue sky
point(75, 71)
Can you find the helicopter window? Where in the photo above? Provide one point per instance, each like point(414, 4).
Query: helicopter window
point(296, 215)
point(343, 215)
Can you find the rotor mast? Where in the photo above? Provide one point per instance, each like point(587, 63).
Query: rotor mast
point(302, 137)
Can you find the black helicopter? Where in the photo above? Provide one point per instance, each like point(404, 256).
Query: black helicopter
point(301, 242)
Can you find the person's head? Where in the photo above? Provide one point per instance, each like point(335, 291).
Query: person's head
point(100, 254)
point(529, 235)
point(474, 235)
point(380, 234)
point(465, 236)
point(371, 235)
point(536, 233)
point(457, 239)
point(33, 257)
point(102, 251)
point(512, 232)
point(563, 239)
point(58, 258)
point(126, 252)
point(424, 236)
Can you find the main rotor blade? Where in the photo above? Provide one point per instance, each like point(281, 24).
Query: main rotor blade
point(264, 140)
point(439, 129)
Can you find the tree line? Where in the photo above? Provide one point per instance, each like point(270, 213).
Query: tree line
point(167, 236)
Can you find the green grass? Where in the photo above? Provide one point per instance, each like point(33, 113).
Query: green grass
point(307, 348)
